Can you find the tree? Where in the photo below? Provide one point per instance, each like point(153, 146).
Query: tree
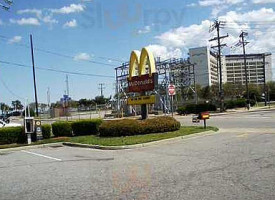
point(101, 100)
point(4, 107)
point(17, 105)
point(271, 90)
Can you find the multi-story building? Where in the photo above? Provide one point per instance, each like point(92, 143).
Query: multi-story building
point(259, 68)
point(206, 70)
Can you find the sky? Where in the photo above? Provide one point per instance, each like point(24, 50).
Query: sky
point(87, 39)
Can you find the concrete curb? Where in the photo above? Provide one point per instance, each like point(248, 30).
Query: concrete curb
point(57, 144)
point(243, 111)
point(135, 146)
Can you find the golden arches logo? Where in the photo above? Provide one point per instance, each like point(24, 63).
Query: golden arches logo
point(139, 60)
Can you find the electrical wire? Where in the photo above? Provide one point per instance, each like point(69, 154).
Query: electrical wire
point(9, 90)
point(56, 70)
point(5, 38)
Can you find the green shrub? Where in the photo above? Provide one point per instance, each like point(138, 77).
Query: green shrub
point(196, 108)
point(62, 129)
point(128, 127)
point(86, 127)
point(181, 111)
point(238, 103)
point(11, 135)
point(46, 131)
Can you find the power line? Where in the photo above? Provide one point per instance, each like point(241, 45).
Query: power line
point(64, 55)
point(55, 70)
point(9, 90)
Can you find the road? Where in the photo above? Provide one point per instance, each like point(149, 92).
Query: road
point(236, 163)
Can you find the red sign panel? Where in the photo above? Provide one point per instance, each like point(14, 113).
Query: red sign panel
point(143, 83)
point(172, 90)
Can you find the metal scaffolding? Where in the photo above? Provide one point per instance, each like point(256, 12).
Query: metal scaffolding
point(180, 72)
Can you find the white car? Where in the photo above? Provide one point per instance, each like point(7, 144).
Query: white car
point(4, 124)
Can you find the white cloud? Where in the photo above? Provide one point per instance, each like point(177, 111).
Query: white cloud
point(46, 18)
point(82, 56)
point(261, 37)
point(37, 12)
point(70, 24)
point(146, 29)
point(186, 37)
point(209, 2)
point(26, 21)
point(165, 52)
point(15, 39)
point(191, 5)
point(206, 3)
point(49, 20)
point(263, 1)
point(73, 8)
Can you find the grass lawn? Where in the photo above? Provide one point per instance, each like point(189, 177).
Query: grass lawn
point(120, 141)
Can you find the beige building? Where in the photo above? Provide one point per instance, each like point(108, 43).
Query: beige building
point(259, 68)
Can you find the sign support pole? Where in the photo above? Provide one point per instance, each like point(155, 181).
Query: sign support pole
point(204, 121)
point(144, 114)
point(172, 106)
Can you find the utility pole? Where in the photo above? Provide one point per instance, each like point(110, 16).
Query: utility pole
point(34, 81)
point(218, 25)
point(265, 92)
point(242, 43)
point(48, 97)
point(67, 85)
point(101, 88)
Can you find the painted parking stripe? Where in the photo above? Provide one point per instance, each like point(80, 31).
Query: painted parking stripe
point(41, 155)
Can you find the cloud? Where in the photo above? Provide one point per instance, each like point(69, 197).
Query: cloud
point(1, 22)
point(191, 5)
point(46, 18)
point(165, 52)
point(36, 12)
point(49, 20)
point(263, 1)
point(15, 39)
point(73, 8)
point(26, 21)
point(206, 3)
point(186, 37)
point(146, 29)
point(261, 35)
point(70, 24)
point(82, 56)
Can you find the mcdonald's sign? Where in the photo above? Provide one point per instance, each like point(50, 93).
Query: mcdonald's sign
point(139, 80)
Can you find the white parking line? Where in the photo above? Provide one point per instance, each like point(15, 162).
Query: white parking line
point(37, 154)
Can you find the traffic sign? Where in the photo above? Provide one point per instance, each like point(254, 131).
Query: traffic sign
point(172, 90)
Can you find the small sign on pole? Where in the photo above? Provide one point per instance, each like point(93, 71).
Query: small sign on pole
point(172, 93)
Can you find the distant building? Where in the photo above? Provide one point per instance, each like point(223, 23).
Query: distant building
point(206, 71)
point(259, 67)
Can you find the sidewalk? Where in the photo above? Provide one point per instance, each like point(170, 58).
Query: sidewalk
point(253, 109)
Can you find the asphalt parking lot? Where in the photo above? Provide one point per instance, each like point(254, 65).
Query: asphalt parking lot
point(224, 165)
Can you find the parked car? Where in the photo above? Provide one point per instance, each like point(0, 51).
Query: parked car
point(4, 124)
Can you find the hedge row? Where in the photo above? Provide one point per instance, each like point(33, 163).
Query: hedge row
point(128, 127)
point(11, 135)
point(196, 108)
point(46, 131)
point(86, 127)
point(238, 103)
point(77, 128)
